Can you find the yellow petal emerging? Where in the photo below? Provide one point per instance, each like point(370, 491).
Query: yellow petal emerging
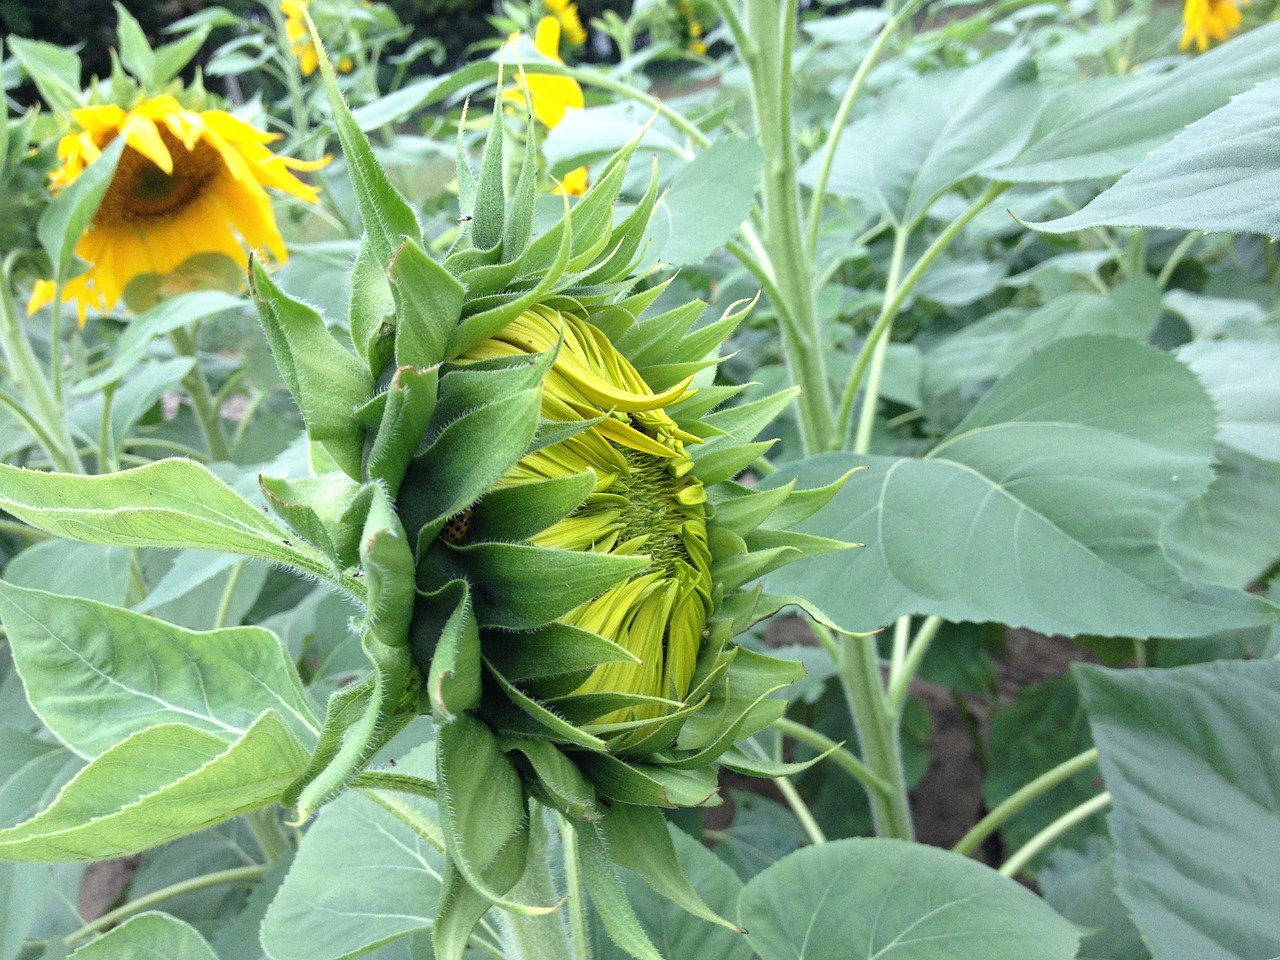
point(1205, 21)
point(295, 25)
point(645, 503)
point(574, 184)
point(188, 182)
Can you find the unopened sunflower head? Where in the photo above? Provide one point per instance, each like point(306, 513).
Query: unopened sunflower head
point(552, 469)
point(186, 182)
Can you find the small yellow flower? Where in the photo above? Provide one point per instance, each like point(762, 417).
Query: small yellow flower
point(1204, 21)
point(188, 182)
point(295, 25)
point(573, 184)
point(552, 96)
point(566, 13)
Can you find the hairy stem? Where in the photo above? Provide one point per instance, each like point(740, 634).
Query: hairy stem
point(1050, 834)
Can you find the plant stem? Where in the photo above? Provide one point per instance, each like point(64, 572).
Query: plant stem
point(1046, 837)
point(112, 917)
point(894, 300)
point(228, 594)
point(877, 728)
point(836, 753)
point(536, 937)
point(1175, 258)
point(801, 809)
point(42, 407)
point(871, 395)
point(841, 117)
point(765, 38)
point(900, 680)
point(573, 887)
point(201, 397)
point(1037, 788)
point(266, 830)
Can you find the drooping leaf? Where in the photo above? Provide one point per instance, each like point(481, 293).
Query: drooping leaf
point(1043, 508)
point(1189, 757)
point(161, 783)
point(880, 899)
point(169, 503)
point(97, 673)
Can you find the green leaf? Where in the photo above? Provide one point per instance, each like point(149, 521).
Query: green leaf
point(328, 511)
point(54, 70)
point(71, 211)
point(446, 645)
point(679, 934)
point(930, 133)
point(173, 57)
point(1043, 508)
point(148, 934)
point(1230, 534)
point(1243, 377)
point(1219, 175)
point(386, 216)
point(1102, 127)
point(410, 401)
point(77, 569)
point(399, 876)
point(161, 783)
point(429, 304)
point(24, 888)
point(879, 899)
point(639, 841)
point(169, 503)
point(609, 898)
point(135, 52)
point(1189, 757)
point(706, 202)
point(328, 382)
point(1081, 885)
point(96, 674)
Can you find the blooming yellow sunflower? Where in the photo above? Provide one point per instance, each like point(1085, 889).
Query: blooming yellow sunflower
point(188, 182)
point(566, 14)
point(1204, 21)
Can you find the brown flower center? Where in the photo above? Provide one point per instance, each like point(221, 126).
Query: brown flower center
point(142, 193)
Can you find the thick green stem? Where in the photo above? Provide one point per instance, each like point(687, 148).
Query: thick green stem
point(202, 401)
point(765, 47)
point(537, 937)
point(1050, 834)
point(877, 729)
point(41, 405)
point(1033, 791)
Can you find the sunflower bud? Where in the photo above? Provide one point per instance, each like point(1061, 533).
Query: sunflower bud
point(565, 511)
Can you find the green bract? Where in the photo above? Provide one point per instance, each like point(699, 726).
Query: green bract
point(541, 506)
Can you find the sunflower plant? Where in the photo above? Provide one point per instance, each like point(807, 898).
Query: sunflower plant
point(526, 479)
point(504, 710)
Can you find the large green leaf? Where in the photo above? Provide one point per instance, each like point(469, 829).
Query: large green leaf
point(1189, 755)
point(392, 876)
point(1102, 127)
point(1243, 377)
point(97, 673)
point(893, 900)
point(161, 783)
point(169, 503)
point(148, 935)
point(1219, 175)
point(1042, 509)
point(930, 133)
